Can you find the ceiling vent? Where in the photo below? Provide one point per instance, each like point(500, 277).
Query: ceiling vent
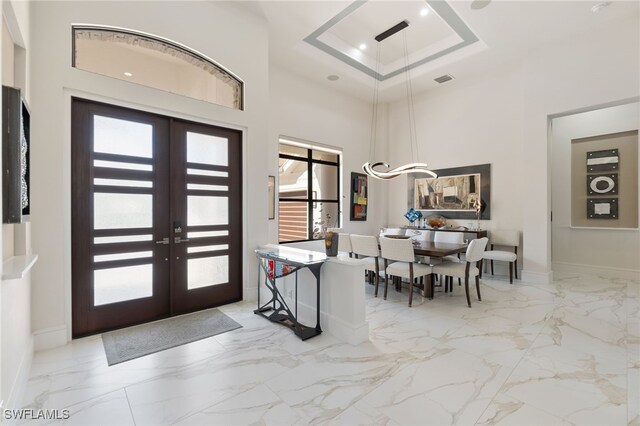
point(443, 78)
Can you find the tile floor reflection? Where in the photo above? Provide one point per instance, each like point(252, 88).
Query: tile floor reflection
point(565, 353)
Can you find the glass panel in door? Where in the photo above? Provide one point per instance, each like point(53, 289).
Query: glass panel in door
point(120, 276)
point(207, 172)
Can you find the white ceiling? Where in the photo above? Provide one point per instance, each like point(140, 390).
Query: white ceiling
point(507, 30)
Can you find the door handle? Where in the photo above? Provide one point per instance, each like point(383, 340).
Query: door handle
point(179, 240)
point(163, 241)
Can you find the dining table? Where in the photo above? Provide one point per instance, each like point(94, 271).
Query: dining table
point(435, 250)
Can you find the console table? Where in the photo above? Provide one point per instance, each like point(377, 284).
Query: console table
point(480, 233)
point(278, 262)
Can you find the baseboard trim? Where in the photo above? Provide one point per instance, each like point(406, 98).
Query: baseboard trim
point(250, 294)
point(50, 338)
point(353, 334)
point(14, 400)
point(603, 271)
point(535, 277)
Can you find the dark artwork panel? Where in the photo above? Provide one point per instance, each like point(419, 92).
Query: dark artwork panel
point(603, 161)
point(359, 201)
point(602, 184)
point(602, 208)
point(454, 193)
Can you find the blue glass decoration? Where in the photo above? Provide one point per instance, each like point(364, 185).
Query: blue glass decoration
point(413, 215)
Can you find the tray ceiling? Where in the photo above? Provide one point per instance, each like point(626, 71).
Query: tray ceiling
point(435, 30)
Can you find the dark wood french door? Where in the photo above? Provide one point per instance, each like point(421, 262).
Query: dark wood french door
point(156, 216)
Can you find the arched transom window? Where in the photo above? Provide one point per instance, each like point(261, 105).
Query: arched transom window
point(154, 62)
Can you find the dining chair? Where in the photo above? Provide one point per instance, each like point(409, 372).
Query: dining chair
point(367, 246)
point(451, 238)
point(344, 243)
point(400, 252)
point(508, 238)
point(468, 268)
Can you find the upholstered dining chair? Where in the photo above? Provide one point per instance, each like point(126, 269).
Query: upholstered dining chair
point(365, 247)
point(468, 268)
point(400, 253)
point(420, 235)
point(506, 238)
point(449, 237)
point(344, 243)
point(452, 238)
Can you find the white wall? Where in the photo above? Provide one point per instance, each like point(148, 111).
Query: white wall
point(503, 120)
point(16, 343)
point(604, 249)
point(234, 39)
point(305, 110)
point(474, 123)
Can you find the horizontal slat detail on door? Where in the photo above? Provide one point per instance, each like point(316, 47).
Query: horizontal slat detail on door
point(122, 189)
point(111, 248)
point(201, 228)
point(207, 254)
point(207, 167)
point(205, 241)
point(122, 158)
point(116, 232)
point(121, 263)
point(122, 174)
point(207, 193)
point(208, 180)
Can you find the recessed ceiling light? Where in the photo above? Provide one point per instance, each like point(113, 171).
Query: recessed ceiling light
point(479, 4)
point(598, 7)
point(424, 12)
point(362, 46)
point(332, 77)
point(128, 74)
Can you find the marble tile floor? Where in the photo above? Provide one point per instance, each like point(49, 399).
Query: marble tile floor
point(528, 354)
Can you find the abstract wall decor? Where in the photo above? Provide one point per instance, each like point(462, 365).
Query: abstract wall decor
point(602, 184)
point(359, 191)
point(602, 208)
point(453, 193)
point(603, 161)
point(604, 181)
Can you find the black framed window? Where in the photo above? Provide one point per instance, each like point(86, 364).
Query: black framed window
point(308, 192)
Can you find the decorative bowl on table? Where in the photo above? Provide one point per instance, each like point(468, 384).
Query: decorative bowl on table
point(436, 221)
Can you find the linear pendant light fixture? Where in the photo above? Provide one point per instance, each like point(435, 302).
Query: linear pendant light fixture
point(380, 169)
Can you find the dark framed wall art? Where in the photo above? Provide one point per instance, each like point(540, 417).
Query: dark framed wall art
point(359, 194)
point(604, 181)
point(16, 165)
point(454, 193)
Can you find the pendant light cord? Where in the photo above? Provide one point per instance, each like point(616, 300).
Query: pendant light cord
point(413, 139)
point(374, 116)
